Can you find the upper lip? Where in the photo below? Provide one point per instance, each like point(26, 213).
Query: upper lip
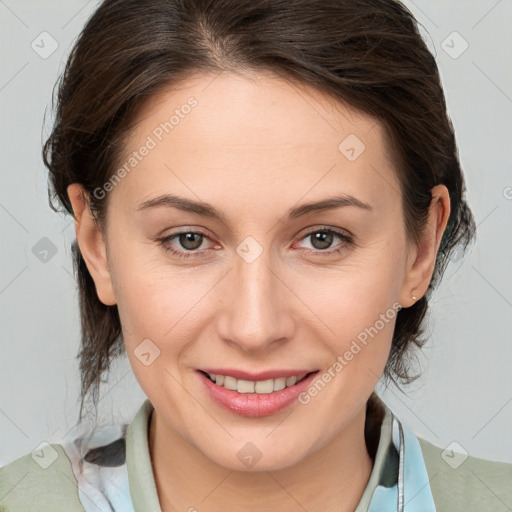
point(259, 376)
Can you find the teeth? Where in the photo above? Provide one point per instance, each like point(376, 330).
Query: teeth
point(261, 386)
point(264, 386)
point(230, 383)
point(279, 383)
point(245, 386)
point(290, 381)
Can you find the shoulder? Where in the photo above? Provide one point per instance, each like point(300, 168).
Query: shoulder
point(41, 481)
point(462, 482)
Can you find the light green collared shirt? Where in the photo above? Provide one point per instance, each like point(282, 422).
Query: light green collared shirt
point(111, 471)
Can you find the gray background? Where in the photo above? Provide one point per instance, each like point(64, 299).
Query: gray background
point(465, 394)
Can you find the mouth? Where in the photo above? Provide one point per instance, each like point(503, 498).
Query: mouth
point(259, 386)
point(255, 396)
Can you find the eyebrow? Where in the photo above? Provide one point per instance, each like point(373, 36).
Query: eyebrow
point(207, 210)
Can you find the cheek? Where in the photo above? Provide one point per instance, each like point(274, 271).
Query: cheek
point(145, 289)
point(357, 308)
point(351, 297)
point(166, 306)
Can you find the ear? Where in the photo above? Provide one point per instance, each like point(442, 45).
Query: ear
point(92, 244)
point(422, 258)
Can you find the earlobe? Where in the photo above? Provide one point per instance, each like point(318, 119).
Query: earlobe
point(420, 267)
point(92, 244)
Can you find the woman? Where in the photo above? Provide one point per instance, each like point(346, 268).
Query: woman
point(265, 194)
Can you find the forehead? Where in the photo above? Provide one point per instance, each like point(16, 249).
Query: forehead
point(232, 107)
point(256, 133)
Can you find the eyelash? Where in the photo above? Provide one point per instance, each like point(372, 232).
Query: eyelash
point(346, 239)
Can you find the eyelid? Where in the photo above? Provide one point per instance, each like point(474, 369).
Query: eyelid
point(346, 238)
point(165, 241)
point(185, 230)
point(323, 227)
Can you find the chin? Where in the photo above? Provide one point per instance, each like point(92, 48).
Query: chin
point(247, 456)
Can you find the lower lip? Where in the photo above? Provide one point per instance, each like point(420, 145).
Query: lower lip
point(255, 405)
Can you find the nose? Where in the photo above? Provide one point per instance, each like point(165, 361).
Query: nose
point(256, 306)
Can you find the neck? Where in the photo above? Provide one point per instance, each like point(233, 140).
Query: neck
point(332, 478)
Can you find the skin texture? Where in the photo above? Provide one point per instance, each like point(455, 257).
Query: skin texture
point(255, 146)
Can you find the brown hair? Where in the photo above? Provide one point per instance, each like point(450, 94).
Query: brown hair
point(366, 53)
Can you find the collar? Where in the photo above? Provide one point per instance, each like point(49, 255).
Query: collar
point(398, 480)
point(138, 461)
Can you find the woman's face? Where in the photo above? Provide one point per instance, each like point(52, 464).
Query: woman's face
point(258, 288)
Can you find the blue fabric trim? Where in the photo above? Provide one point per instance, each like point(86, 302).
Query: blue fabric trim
point(417, 492)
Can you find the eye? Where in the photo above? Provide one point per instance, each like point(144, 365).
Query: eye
point(322, 239)
point(189, 240)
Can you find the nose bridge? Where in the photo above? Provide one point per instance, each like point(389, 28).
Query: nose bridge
point(255, 315)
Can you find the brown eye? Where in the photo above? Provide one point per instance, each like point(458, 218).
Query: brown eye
point(184, 244)
point(321, 239)
point(190, 241)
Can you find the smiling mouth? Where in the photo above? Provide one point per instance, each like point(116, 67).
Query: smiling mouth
point(257, 387)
